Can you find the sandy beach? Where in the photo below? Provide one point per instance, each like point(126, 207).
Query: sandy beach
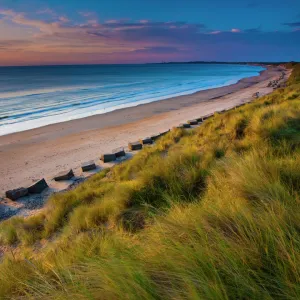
point(43, 152)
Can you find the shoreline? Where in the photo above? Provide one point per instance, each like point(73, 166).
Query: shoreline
point(209, 93)
point(39, 153)
point(127, 106)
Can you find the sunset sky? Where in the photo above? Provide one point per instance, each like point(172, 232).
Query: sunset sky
point(38, 32)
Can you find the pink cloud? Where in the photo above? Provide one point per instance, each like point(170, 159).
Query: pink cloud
point(216, 32)
point(86, 14)
point(112, 21)
point(64, 19)
point(235, 30)
point(93, 22)
point(47, 11)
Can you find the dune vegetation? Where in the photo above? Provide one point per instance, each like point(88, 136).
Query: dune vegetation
point(208, 213)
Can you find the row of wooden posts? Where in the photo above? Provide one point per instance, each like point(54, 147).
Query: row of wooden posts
point(39, 186)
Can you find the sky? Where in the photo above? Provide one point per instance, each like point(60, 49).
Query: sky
point(51, 32)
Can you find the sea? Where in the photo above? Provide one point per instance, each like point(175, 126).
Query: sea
point(32, 97)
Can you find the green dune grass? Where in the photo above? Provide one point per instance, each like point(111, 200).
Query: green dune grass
point(211, 213)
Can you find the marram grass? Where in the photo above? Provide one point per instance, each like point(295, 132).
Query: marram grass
point(212, 213)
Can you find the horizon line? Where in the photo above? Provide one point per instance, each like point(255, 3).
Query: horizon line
point(152, 63)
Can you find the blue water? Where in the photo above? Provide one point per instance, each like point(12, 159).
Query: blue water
point(32, 97)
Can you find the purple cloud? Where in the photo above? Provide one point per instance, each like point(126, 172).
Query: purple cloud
point(162, 50)
point(253, 30)
point(295, 24)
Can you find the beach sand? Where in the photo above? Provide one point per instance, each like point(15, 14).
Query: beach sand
point(43, 152)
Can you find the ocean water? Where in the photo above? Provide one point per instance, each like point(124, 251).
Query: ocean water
point(31, 97)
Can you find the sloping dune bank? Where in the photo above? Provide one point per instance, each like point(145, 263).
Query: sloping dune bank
point(42, 153)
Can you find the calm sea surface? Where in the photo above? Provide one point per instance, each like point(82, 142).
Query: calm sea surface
point(32, 97)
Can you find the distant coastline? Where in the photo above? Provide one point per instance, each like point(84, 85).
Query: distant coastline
point(255, 63)
point(263, 64)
